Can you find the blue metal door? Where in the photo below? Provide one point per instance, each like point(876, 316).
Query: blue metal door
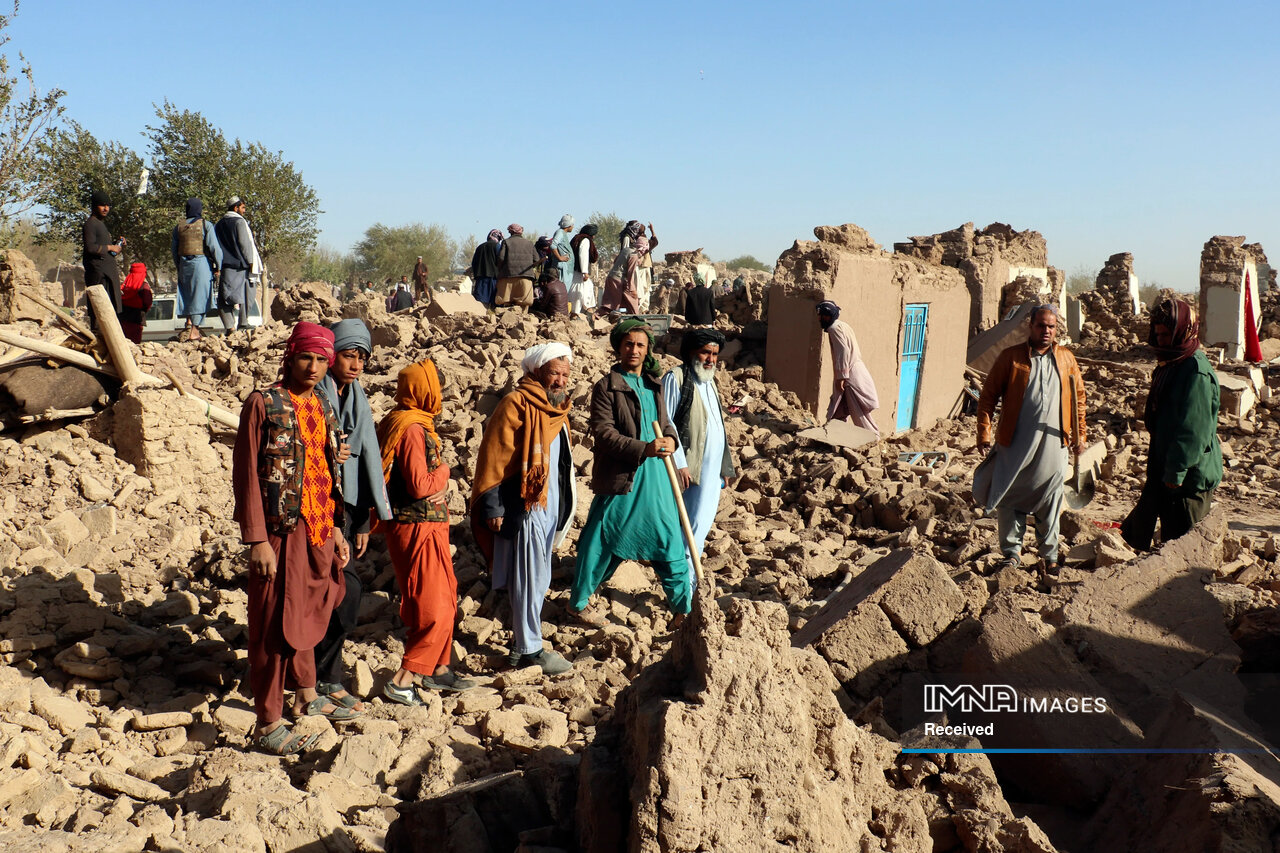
point(914, 323)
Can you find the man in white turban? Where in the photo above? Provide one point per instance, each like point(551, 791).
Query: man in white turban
point(562, 249)
point(524, 496)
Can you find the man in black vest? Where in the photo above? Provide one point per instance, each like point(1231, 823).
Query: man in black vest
point(241, 267)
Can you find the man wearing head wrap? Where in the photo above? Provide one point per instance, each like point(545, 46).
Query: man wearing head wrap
point(524, 495)
point(417, 481)
point(562, 251)
point(702, 459)
point(518, 267)
point(620, 288)
point(99, 253)
point(197, 255)
point(421, 279)
point(699, 309)
point(582, 289)
point(1041, 416)
point(853, 391)
point(644, 268)
point(633, 516)
point(241, 267)
point(289, 505)
point(363, 491)
point(1184, 458)
point(484, 269)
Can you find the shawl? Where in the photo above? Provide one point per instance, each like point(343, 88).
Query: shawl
point(417, 402)
point(1180, 317)
point(517, 442)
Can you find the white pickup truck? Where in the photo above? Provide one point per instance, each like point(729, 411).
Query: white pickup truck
point(162, 325)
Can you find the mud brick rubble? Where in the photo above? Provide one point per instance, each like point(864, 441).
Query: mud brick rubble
point(765, 722)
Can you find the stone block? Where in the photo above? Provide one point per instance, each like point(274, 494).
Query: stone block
point(115, 782)
point(363, 759)
point(65, 715)
point(526, 728)
point(66, 531)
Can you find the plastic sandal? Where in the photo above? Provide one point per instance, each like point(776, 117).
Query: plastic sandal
point(403, 695)
point(315, 707)
point(282, 741)
point(447, 681)
point(325, 688)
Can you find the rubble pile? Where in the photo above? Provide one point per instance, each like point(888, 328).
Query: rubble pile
point(1109, 316)
point(124, 713)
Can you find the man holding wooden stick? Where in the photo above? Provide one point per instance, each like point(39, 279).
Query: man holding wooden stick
point(630, 517)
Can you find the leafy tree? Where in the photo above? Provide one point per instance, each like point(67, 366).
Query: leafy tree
point(610, 225)
point(387, 251)
point(25, 124)
point(1080, 280)
point(748, 262)
point(466, 248)
point(323, 263)
point(73, 165)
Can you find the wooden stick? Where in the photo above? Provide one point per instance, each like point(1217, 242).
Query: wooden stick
point(684, 515)
point(58, 414)
point(168, 374)
point(79, 359)
point(113, 335)
point(64, 318)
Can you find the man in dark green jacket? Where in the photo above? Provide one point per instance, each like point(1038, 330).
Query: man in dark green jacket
point(1184, 462)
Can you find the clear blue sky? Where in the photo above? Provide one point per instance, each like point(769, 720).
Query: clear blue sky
point(1142, 127)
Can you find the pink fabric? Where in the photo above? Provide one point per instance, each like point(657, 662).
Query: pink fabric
point(858, 399)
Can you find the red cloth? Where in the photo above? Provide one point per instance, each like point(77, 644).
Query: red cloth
point(131, 292)
point(290, 614)
point(317, 483)
point(1252, 346)
point(309, 337)
point(424, 569)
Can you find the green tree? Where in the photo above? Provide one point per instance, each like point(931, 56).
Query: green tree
point(323, 263)
point(1080, 280)
point(192, 158)
point(748, 262)
point(466, 248)
point(610, 225)
point(74, 164)
point(387, 251)
point(26, 121)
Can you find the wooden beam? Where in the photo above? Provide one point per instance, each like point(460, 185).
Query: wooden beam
point(63, 318)
point(113, 335)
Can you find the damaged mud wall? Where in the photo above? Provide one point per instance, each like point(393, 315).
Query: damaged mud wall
point(873, 287)
point(1226, 264)
point(991, 259)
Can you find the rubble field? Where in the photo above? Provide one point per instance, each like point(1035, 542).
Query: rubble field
point(772, 719)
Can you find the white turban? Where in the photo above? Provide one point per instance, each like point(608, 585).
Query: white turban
point(536, 356)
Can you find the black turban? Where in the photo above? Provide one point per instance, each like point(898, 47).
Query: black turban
point(100, 197)
point(696, 339)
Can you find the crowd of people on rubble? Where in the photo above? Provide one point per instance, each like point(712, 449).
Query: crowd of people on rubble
point(314, 477)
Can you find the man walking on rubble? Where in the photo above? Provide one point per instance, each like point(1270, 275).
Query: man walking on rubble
point(1042, 414)
point(853, 391)
point(524, 495)
point(518, 266)
point(363, 490)
point(702, 458)
point(289, 505)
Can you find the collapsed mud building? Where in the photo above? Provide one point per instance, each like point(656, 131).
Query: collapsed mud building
point(783, 715)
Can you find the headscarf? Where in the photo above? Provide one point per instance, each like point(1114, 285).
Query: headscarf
point(355, 419)
point(194, 208)
point(633, 229)
point(538, 355)
point(351, 334)
point(100, 197)
point(566, 221)
point(830, 309)
point(1181, 319)
point(699, 280)
point(308, 337)
point(417, 402)
point(641, 245)
point(591, 229)
point(495, 234)
point(515, 230)
point(696, 339)
point(634, 324)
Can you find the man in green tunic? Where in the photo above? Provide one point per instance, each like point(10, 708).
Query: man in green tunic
point(633, 515)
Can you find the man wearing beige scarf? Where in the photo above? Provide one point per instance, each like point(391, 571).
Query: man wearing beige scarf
point(524, 495)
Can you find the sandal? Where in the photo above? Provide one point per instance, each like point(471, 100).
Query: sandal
point(315, 708)
point(403, 695)
point(325, 688)
point(282, 741)
point(446, 681)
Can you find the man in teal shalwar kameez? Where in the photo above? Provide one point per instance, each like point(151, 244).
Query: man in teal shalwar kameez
point(633, 516)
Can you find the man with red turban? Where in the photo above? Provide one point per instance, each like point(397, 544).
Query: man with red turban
point(289, 505)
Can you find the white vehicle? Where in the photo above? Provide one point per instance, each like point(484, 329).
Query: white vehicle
point(162, 325)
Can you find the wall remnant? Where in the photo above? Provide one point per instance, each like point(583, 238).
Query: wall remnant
point(1226, 263)
point(874, 287)
point(1115, 290)
point(990, 259)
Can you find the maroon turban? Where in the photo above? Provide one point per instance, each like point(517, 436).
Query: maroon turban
point(516, 230)
point(309, 337)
